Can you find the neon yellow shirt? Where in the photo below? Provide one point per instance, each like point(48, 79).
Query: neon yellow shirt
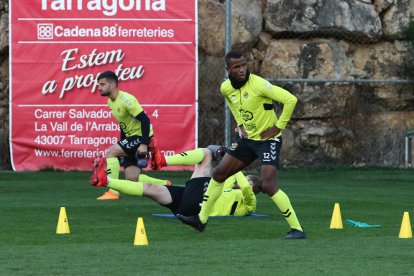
point(243, 197)
point(248, 105)
point(124, 109)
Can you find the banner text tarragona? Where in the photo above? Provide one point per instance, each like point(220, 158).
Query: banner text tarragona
point(107, 7)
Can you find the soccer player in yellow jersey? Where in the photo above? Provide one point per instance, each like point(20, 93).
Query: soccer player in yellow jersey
point(237, 201)
point(250, 99)
point(136, 132)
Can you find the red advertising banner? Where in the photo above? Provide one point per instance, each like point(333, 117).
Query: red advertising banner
point(58, 47)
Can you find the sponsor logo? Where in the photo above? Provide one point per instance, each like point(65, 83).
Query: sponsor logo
point(273, 151)
point(250, 127)
point(44, 31)
point(268, 85)
point(246, 115)
point(133, 144)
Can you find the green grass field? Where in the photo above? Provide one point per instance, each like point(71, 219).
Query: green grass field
point(102, 233)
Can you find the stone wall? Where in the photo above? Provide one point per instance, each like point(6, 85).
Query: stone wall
point(354, 123)
point(359, 123)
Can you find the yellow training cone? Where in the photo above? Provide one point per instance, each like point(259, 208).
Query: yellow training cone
point(63, 224)
point(336, 221)
point(405, 231)
point(140, 234)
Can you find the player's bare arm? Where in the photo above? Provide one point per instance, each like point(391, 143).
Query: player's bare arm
point(270, 133)
point(142, 150)
point(240, 130)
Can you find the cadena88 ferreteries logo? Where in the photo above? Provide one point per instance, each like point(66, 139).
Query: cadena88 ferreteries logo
point(44, 31)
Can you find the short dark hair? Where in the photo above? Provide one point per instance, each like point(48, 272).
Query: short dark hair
point(109, 75)
point(232, 54)
point(218, 151)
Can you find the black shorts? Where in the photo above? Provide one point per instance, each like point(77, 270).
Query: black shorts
point(267, 151)
point(130, 146)
point(187, 200)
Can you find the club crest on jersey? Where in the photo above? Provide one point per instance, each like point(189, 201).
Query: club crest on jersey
point(233, 146)
point(246, 95)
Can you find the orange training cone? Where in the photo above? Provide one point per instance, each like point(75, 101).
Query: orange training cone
point(336, 221)
point(63, 224)
point(140, 234)
point(405, 230)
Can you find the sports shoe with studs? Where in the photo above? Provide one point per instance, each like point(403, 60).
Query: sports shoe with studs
point(108, 196)
point(193, 221)
point(295, 234)
point(157, 158)
point(99, 177)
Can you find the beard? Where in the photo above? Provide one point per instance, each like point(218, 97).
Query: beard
point(105, 93)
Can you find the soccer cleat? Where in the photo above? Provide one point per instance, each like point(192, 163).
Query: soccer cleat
point(193, 221)
point(108, 196)
point(99, 176)
point(295, 234)
point(157, 158)
point(168, 183)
